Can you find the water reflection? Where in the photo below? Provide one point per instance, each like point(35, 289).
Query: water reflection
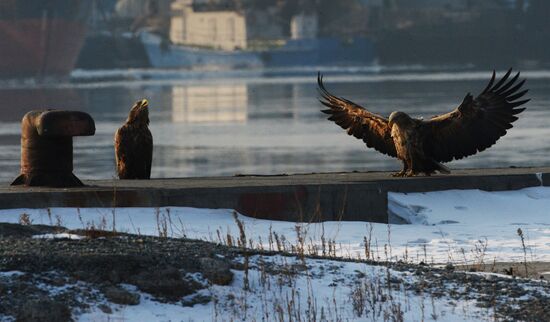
point(16, 102)
point(271, 102)
point(217, 104)
point(229, 126)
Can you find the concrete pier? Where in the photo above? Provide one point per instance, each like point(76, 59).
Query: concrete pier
point(300, 197)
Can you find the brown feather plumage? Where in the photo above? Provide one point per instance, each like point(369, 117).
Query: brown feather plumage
point(373, 129)
point(475, 125)
point(134, 144)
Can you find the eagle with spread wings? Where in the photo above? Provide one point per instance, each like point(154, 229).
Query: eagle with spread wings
point(423, 145)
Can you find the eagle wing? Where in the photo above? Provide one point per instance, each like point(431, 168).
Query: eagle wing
point(477, 123)
point(373, 129)
point(148, 152)
point(122, 145)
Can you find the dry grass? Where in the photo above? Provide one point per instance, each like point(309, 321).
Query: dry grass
point(371, 299)
point(25, 219)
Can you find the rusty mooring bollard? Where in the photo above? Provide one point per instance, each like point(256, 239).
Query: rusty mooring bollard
point(47, 147)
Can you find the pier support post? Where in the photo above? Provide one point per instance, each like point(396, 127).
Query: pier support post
point(47, 147)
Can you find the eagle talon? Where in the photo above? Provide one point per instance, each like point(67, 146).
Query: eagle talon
point(399, 174)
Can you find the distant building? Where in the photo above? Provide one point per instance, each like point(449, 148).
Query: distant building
point(304, 26)
point(419, 4)
point(264, 25)
point(131, 8)
point(224, 30)
point(447, 4)
point(138, 8)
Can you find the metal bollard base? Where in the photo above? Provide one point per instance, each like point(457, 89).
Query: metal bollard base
point(47, 180)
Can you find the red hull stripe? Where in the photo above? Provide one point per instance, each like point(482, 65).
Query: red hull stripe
point(38, 47)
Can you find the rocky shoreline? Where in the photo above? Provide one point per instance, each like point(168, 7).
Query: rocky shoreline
point(57, 279)
point(94, 267)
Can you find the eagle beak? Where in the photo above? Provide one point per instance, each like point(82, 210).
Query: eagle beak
point(144, 103)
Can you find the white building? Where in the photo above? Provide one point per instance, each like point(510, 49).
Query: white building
point(304, 26)
point(224, 30)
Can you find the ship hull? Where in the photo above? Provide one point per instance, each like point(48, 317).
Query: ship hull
point(304, 52)
point(39, 41)
point(174, 56)
point(321, 51)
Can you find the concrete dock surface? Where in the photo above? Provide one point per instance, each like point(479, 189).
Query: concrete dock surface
point(360, 196)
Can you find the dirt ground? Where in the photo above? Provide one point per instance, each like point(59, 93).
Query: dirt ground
point(537, 270)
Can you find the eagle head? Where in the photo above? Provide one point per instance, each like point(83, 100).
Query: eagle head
point(398, 118)
point(139, 113)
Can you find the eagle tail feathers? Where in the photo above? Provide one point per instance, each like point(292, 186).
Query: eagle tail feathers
point(441, 168)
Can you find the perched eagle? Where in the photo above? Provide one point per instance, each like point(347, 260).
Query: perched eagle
point(134, 144)
point(422, 145)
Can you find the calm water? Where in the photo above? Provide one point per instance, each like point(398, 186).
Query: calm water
point(213, 123)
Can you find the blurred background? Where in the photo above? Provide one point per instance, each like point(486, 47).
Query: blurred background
point(232, 83)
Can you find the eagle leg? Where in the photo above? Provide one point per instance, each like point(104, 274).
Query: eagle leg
point(411, 172)
point(402, 172)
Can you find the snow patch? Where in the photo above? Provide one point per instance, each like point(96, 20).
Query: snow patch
point(539, 178)
point(58, 236)
point(446, 226)
point(316, 286)
point(11, 274)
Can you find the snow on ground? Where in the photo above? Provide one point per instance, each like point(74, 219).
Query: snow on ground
point(329, 290)
point(461, 226)
point(290, 289)
point(58, 236)
point(466, 218)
